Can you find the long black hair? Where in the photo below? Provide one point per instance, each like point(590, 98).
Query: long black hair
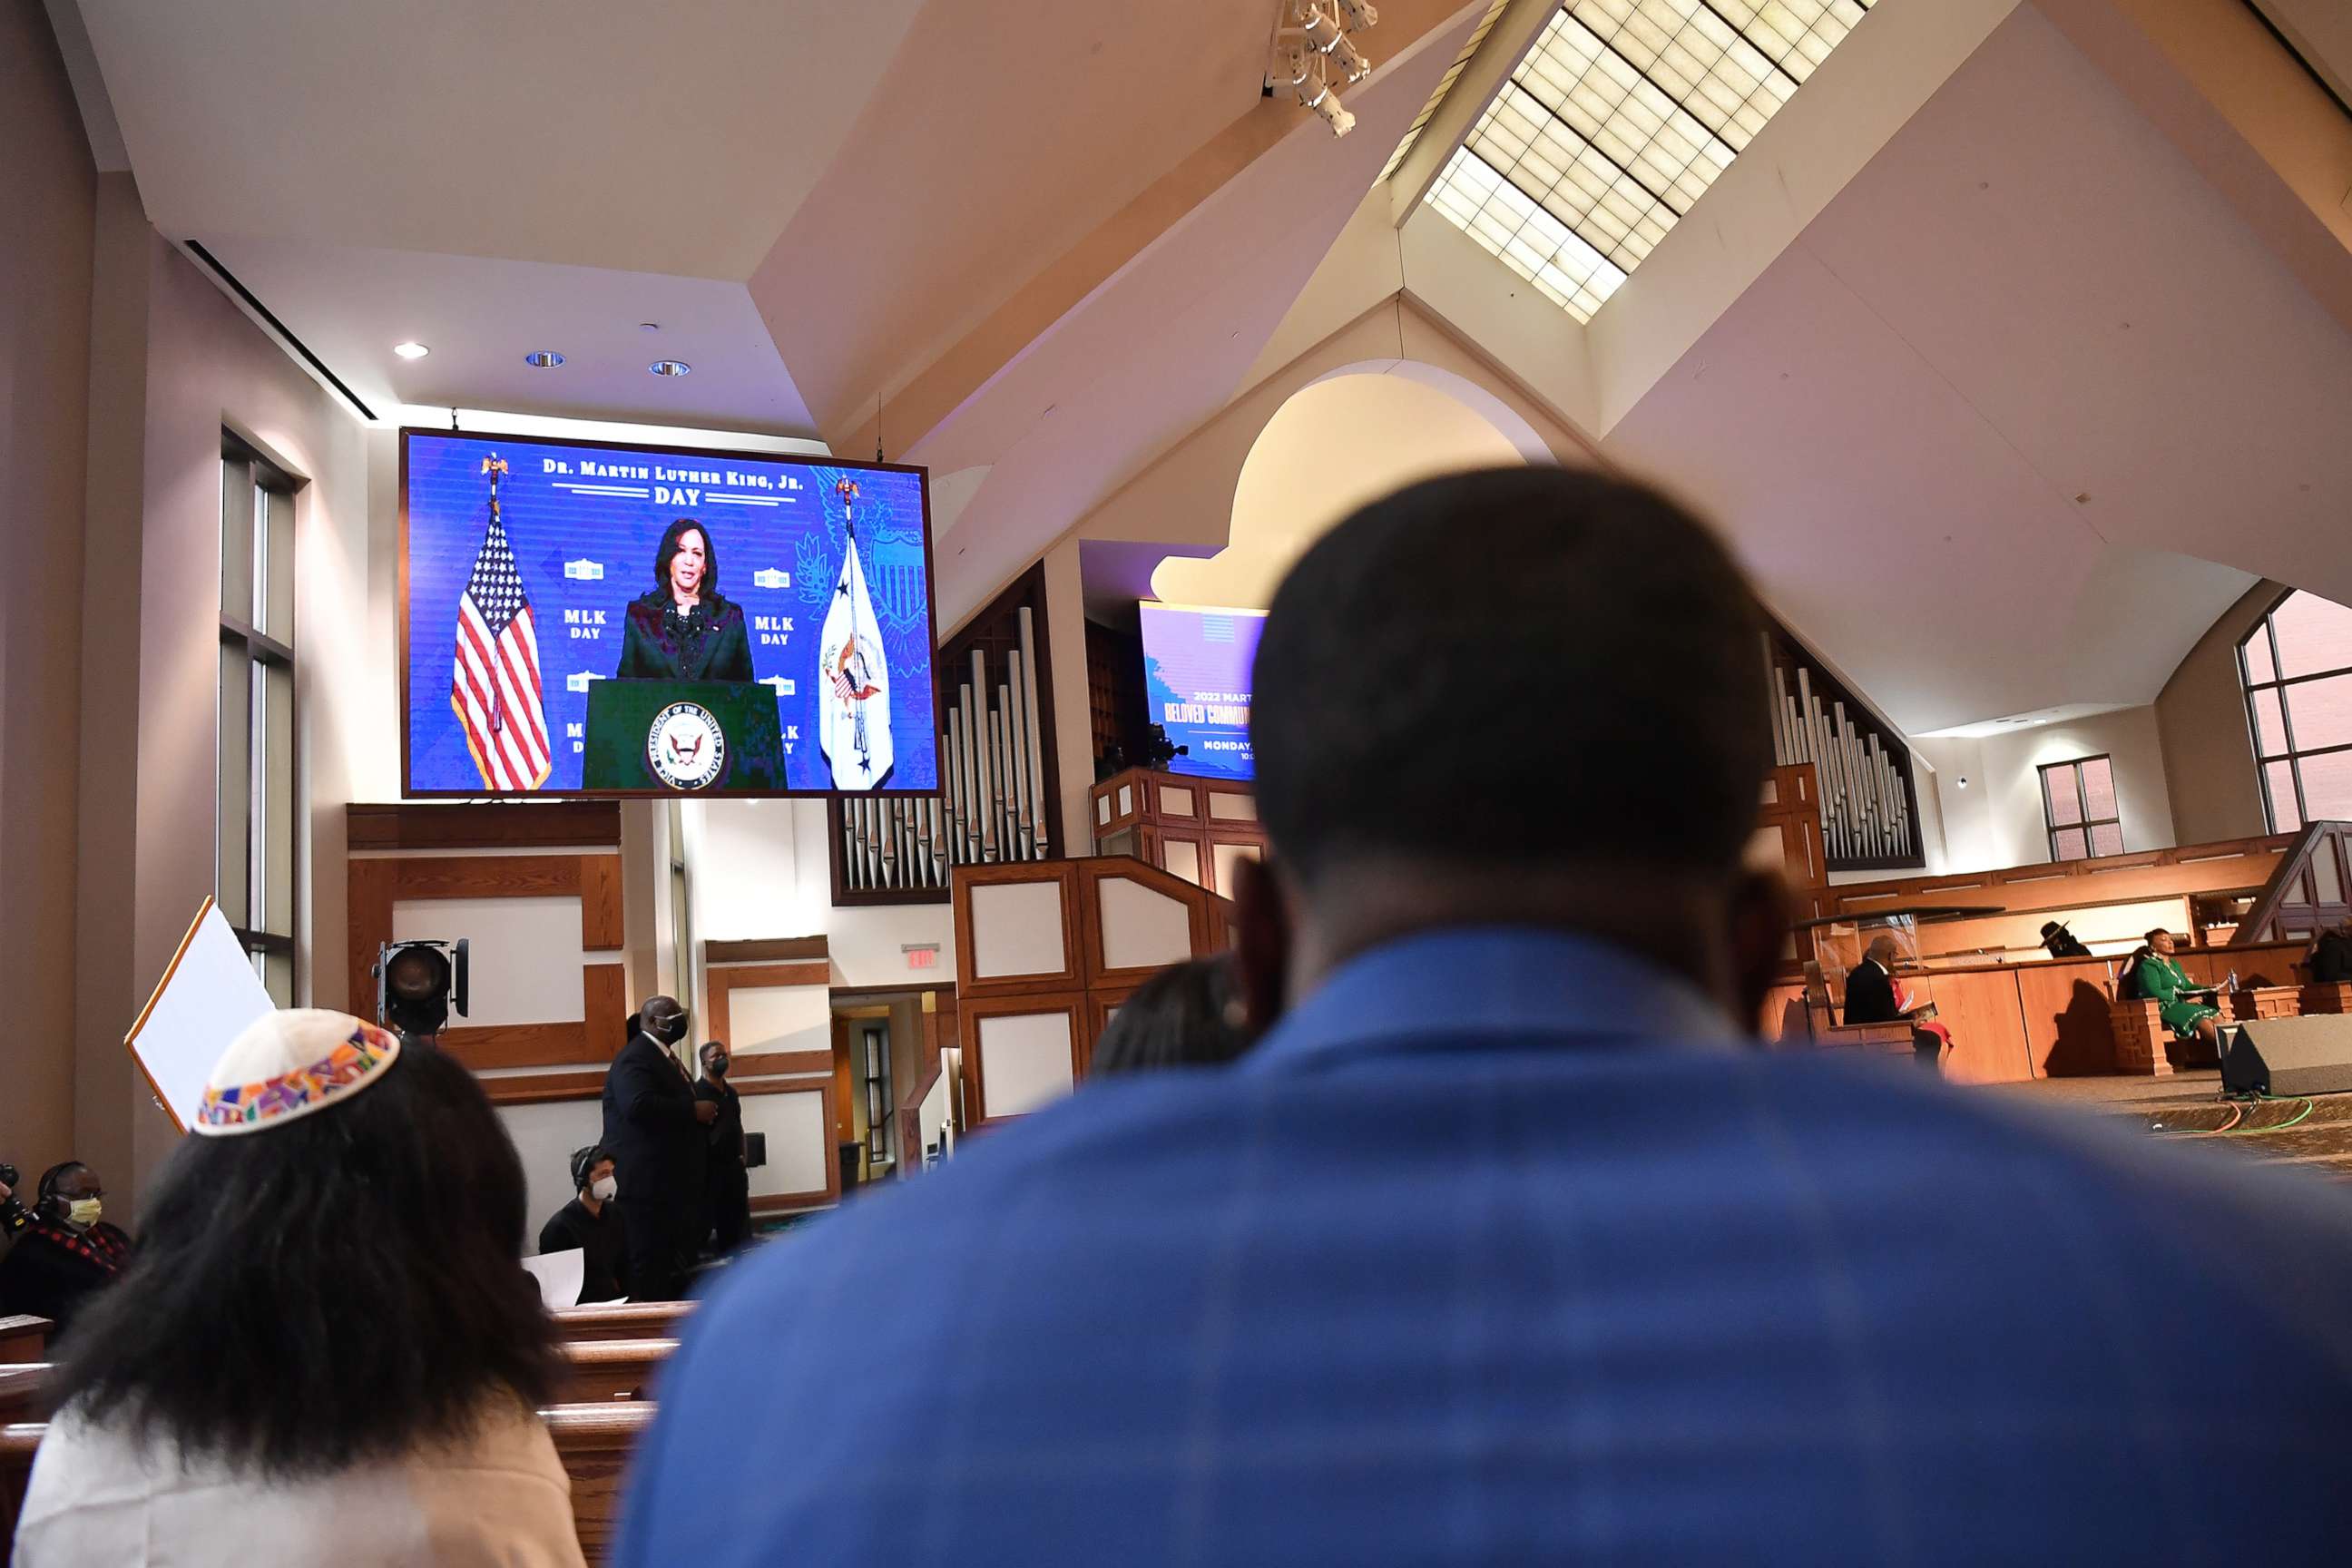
point(1188, 1015)
point(662, 557)
point(341, 1289)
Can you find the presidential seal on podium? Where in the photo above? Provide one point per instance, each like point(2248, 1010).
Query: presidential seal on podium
point(685, 747)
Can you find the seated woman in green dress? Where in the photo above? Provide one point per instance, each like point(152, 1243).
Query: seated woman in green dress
point(2162, 981)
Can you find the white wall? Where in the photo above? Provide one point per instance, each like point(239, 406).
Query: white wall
point(760, 870)
point(1997, 820)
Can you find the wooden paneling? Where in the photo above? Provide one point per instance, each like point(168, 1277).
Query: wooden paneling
point(516, 825)
point(816, 1197)
point(368, 921)
point(540, 1088)
point(767, 950)
point(621, 1320)
point(1092, 875)
point(2064, 1006)
point(723, 982)
point(24, 1338)
point(486, 877)
point(594, 1441)
point(970, 983)
point(1987, 1021)
point(602, 1369)
point(776, 1064)
point(517, 1045)
point(2237, 863)
point(604, 1007)
point(1072, 1004)
point(599, 902)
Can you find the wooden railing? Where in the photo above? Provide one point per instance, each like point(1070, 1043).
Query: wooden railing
point(2310, 890)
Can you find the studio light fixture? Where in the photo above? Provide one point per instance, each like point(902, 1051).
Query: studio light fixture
point(411, 350)
point(543, 359)
point(670, 367)
point(1315, 56)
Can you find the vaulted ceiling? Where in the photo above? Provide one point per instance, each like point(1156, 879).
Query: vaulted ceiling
point(2007, 351)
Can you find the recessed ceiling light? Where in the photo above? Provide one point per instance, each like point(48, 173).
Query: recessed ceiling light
point(410, 350)
point(544, 359)
point(670, 367)
point(649, 326)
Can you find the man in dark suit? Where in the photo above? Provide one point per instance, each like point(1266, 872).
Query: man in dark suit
point(654, 1130)
point(1503, 1243)
point(1870, 999)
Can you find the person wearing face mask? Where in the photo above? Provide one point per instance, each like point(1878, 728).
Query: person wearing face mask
point(590, 1224)
point(655, 1129)
point(68, 1252)
point(727, 1186)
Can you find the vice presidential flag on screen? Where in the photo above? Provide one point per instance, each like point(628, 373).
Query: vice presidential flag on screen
point(496, 688)
point(854, 728)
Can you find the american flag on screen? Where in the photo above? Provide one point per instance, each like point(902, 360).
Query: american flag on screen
point(496, 688)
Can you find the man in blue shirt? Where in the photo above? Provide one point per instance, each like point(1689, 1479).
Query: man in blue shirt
point(1503, 1246)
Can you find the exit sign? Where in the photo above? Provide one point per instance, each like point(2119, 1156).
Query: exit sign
point(923, 957)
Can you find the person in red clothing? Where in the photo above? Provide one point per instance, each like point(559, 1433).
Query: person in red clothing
point(66, 1253)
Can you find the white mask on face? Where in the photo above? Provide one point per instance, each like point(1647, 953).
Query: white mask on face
point(603, 1188)
point(83, 1213)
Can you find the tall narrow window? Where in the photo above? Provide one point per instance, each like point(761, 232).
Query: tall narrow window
point(2078, 806)
point(2297, 668)
point(253, 863)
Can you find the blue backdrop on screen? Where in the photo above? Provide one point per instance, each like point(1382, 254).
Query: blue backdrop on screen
point(1196, 681)
point(584, 524)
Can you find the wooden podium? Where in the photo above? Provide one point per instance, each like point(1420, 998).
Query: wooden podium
point(711, 736)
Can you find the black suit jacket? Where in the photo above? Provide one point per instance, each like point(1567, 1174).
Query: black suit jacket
point(650, 1129)
point(1870, 995)
point(711, 644)
point(724, 1137)
point(602, 1243)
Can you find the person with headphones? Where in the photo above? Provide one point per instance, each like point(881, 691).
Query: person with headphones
point(590, 1224)
point(66, 1253)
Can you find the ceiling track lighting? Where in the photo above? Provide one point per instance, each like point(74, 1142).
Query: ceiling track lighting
point(1315, 56)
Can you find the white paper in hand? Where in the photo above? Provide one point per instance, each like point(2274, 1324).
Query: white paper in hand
point(559, 1275)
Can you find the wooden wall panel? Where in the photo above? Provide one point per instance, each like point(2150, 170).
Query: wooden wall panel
point(604, 1007)
point(486, 876)
point(816, 1197)
point(517, 1045)
point(599, 902)
point(511, 825)
point(1071, 1004)
point(970, 983)
point(2068, 1028)
point(368, 921)
point(1987, 1021)
point(535, 1088)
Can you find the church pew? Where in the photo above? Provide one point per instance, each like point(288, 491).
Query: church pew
point(593, 1441)
point(24, 1339)
point(621, 1320)
point(22, 1387)
point(612, 1369)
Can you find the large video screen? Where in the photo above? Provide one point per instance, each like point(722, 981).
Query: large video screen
point(1196, 679)
point(608, 619)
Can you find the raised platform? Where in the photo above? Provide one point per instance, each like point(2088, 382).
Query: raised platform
point(2313, 1132)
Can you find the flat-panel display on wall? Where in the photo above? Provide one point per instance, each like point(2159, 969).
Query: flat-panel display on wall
point(1196, 682)
point(612, 620)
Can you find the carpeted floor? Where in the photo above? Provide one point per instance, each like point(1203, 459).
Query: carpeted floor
point(2315, 1132)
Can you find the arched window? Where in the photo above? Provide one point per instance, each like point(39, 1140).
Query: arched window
point(2297, 667)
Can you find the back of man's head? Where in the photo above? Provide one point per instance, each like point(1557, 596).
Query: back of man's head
point(1511, 672)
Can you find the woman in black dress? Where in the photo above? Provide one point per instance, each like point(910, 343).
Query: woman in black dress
point(726, 1194)
point(683, 630)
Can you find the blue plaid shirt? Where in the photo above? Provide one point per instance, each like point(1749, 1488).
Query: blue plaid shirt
point(1500, 1250)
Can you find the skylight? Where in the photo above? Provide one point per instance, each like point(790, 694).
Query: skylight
point(1618, 120)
